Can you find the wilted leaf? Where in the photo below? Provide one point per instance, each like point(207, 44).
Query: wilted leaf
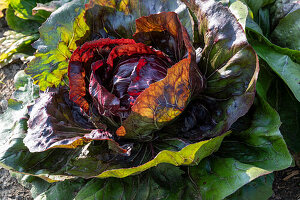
point(55, 46)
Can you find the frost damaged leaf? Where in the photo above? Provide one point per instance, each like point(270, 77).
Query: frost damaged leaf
point(59, 35)
point(164, 100)
point(13, 43)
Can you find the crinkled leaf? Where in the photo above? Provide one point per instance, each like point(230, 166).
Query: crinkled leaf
point(52, 115)
point(55, 122)
point(59, 35)
point(286, 33)
point(228, 63)
point(14, 154)
point(13, 43)
point(164, 100)
point(260, 188)
point(283, 61)
point(93, 159)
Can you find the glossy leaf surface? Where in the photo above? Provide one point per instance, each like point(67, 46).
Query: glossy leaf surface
point(228, 63)
point(14, 43)
point(166, 99)
point(283, 61)
point(286, 33)
point(56, 44)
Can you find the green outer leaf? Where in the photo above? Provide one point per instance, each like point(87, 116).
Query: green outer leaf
point(61, 164)
point(21, 25)
point(283, 100)
point(240, 11)
point(225, 174)
point(36, 185)
point(58, 191)
point(14, 155)
point(263, 145)
point(13, 43)
point(16, 107)
point(59, 37)
point(148, 185)
point(189, 155)
point(260, 188)
point(287, 32)
point(255, 148)
point(255, 5)
point(279, 60)
point(280, 97)
point(23, 9)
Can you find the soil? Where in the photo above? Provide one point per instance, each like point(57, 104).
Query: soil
point(286, 185)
